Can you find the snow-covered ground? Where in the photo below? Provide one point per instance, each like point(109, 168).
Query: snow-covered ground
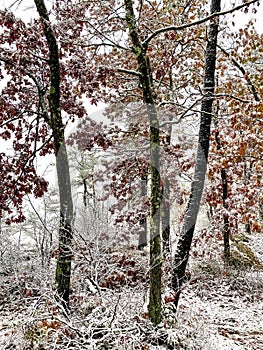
point(219, 309)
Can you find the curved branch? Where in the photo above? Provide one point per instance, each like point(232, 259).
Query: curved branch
point(234, 98)
point(194, 23)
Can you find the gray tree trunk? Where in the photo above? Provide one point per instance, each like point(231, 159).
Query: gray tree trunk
point(186, 235)
point(63, 269)
point(226, 227)
point(165, 216)
point(143, 221)
point(155, 301)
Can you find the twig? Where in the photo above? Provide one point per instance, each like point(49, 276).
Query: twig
point(245, 74)
point(114, 312)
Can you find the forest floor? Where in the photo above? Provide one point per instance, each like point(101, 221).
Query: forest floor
point(219, 309)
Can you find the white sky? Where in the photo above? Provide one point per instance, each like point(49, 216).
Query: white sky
point(24, 9)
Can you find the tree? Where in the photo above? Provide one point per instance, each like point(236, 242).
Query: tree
point(186, 236)
point(224, 181)
point(63, 269)
point(155, 196)
point(141, 69)
point(37, 90)
point(220, 193)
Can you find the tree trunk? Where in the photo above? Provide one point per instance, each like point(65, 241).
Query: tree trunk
point(247, 175)
point(143, 221)
point(166, 207)
point(223, 173)
point(165, 216)
point(226, 228)
point(155, 301)
point(155, 190)
point(186, 236)
point(63, 269)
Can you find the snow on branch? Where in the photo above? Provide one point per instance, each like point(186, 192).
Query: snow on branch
point(194, 23)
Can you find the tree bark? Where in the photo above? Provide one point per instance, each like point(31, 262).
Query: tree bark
point(186, 235)
point(166, 205)
point(63, 269)
point(155, 190)
point(143, 221)
point(165, 216)
point(226, 227)
point(224, 182)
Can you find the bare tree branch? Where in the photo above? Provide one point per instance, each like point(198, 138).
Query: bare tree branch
point(128, 71)
point(194, 23)
point(243, 71)
point(234, 98)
